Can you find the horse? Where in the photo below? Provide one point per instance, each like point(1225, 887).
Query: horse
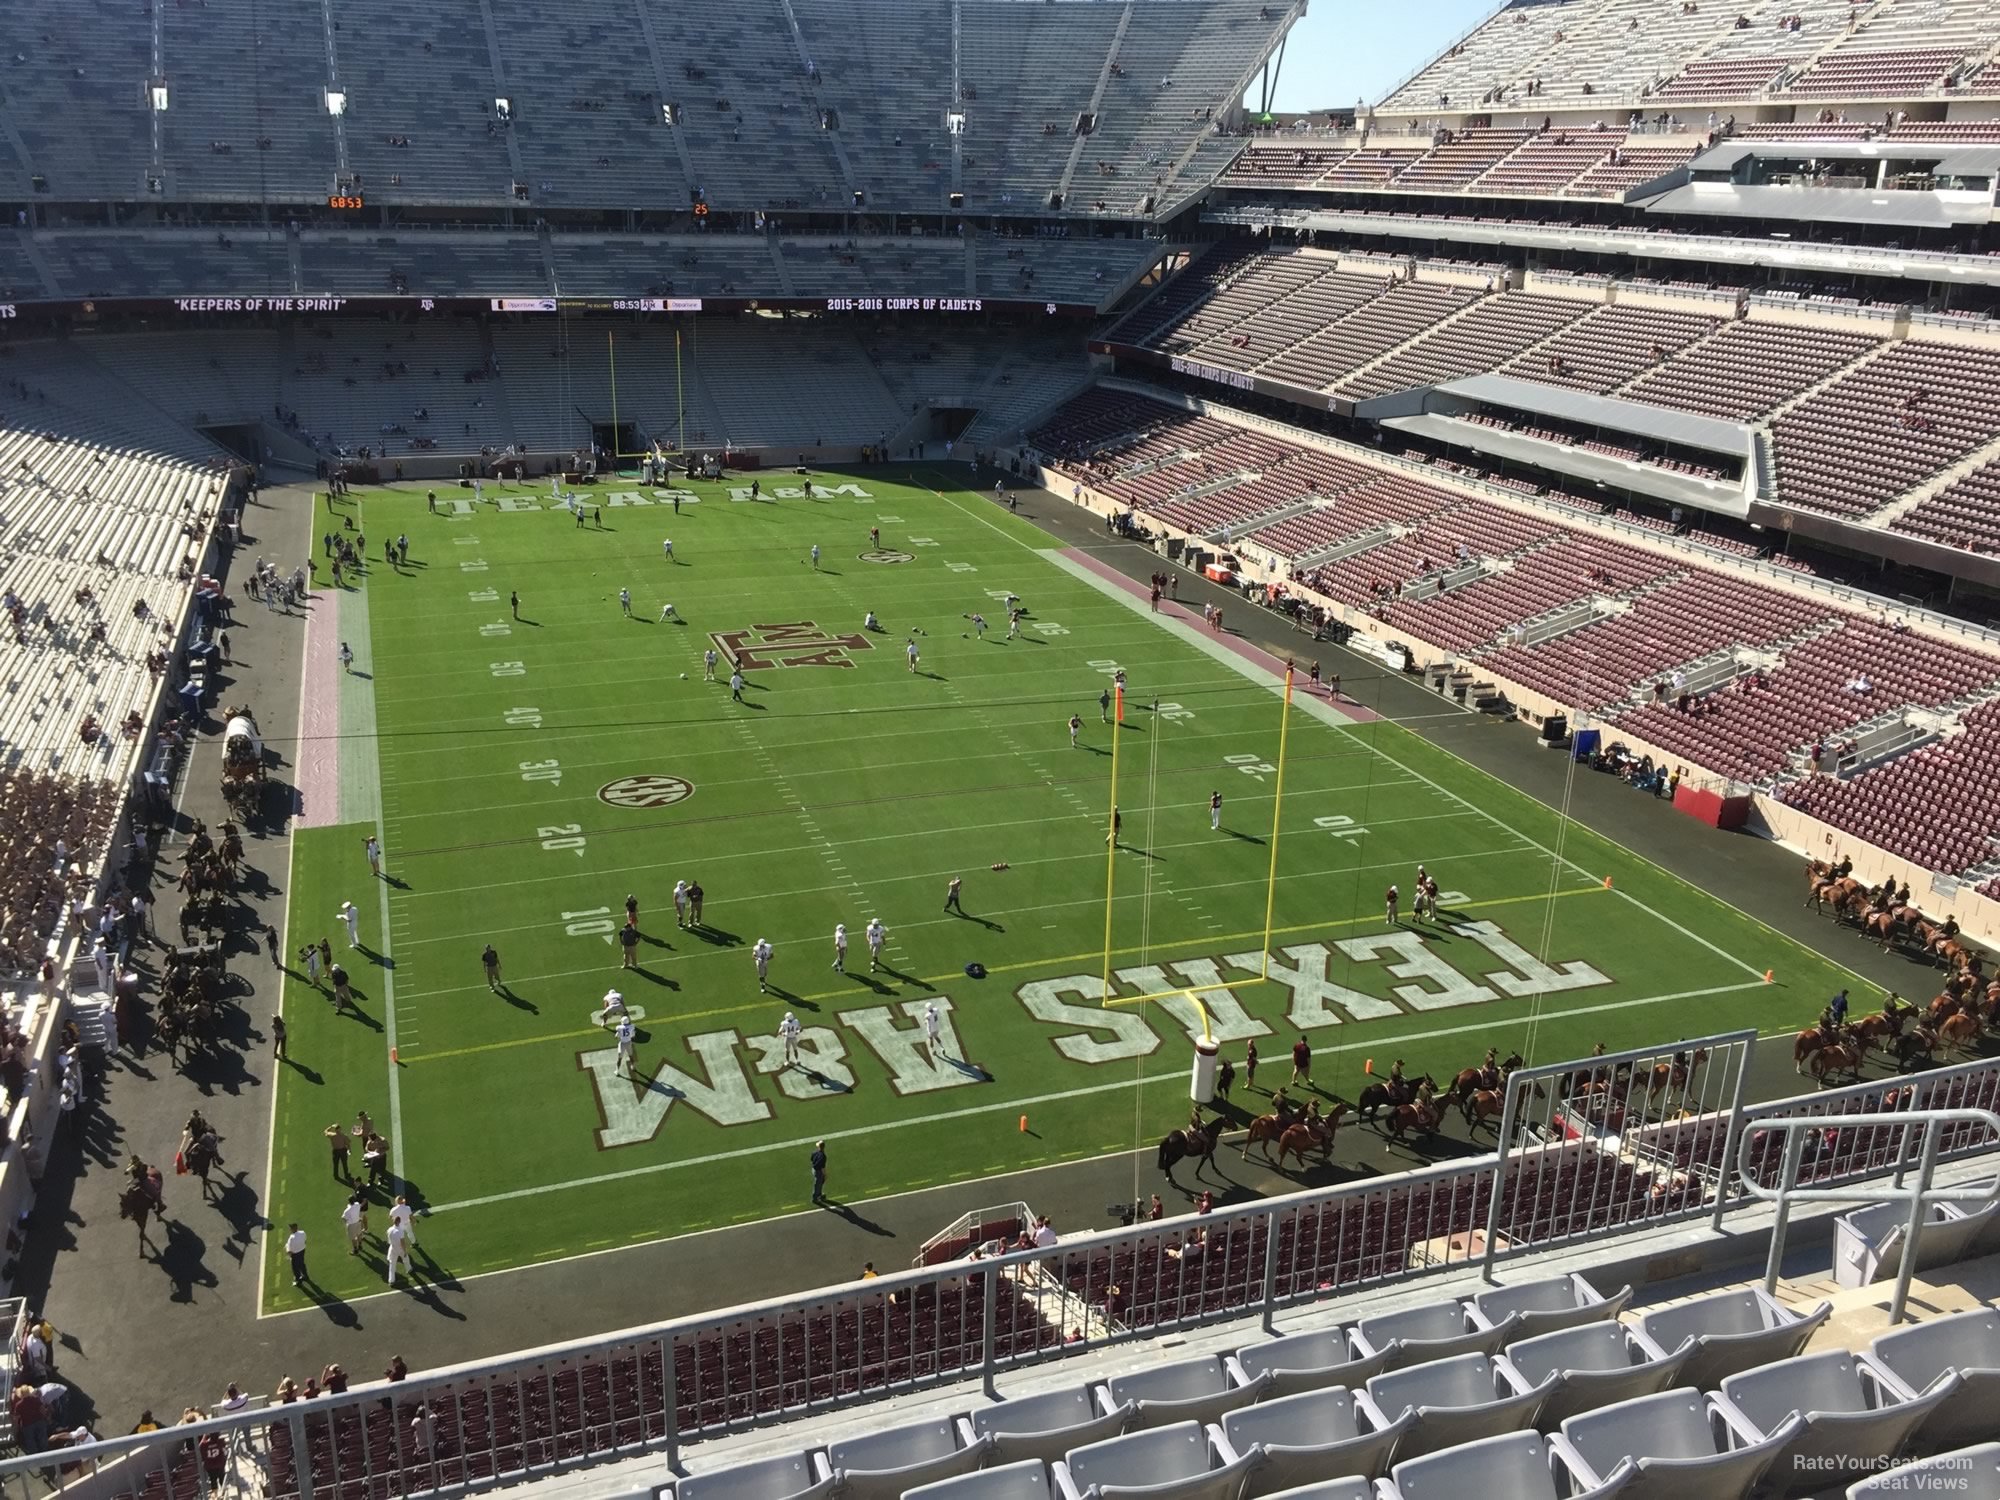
point(1805, 1044)
point(1197, 1141)
point(1266, 1129)
point(1876, 1030)
point(1469, 1079)
point(1671, 1074)
point(1417, 1116)
point(1960, 1031)
point(1916, 1044)
point(1837, 1057)
point(1303, 1135)
point(1380, 1096)
point(142, 1198)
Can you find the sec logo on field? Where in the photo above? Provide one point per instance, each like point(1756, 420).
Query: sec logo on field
point(885, 555)
point(646, 791)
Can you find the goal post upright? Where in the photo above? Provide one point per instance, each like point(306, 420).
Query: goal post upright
point(1277, 819)
point(1111, 837)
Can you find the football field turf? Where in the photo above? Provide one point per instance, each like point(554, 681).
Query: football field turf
point(533, 772)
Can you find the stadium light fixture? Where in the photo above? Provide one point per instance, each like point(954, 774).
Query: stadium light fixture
point(336, 101)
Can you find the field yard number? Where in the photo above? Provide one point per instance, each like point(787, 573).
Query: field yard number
point(960, 568)
point(889, 520)
point(496, 628)
point(920, 541)
point(1105, 667)
point(558, 837)
point(542, 770)
point(1174, 713)
point(1049, 627)
point(1250, 765)
point(465, 541)
point(523, 718)
point(509, 668)
point(482, 596)
point(1339, 827)
point(477, 565)
point(593, 923)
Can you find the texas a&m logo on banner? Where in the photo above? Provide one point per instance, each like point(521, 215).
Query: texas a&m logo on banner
point(798, 643)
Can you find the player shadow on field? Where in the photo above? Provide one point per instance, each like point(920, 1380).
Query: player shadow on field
point(819, 1079)
point(869, 980)
point(783, 994)
point(1247, 838)
point(397, 883)
point(655, 942)
point(364, 676)
point(758, 706)
point(650, 977)
point(1094, 749)
point(717, 936)
point(310, 1074)
point(375, 956)
point(519, 1002)
point(987, 923)
point(524, 620)
point(856, 1218)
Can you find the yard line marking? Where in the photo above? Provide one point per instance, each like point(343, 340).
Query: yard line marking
point(1096, 953)
point(1029, 1102)
point(1022, 911)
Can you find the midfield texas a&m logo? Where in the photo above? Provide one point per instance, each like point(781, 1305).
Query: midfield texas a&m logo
point(799, 643)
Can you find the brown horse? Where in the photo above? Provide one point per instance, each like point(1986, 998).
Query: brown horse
point(1264, 1130)
point(1837, 1057)
point(1960, 1031)
point(1468, 1079)
point(1804, 1045)
point(1311, 1133)
point(1916, 1045)
point(1197, 1141)
point(1670, 1074)
point(143, 1198)
point(1420, 1117)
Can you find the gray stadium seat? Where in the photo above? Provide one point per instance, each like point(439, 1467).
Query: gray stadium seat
point(1668, 1445)
point(881, 1465)
point(1731, 1331)
point(1026, 1480)
point(1455, 1401)
point(1962, 1353)
point(1311, 1436)
point(1593, 1364)
point(1163, 1463)
point(1187, 1390)
point(1511, 1466)
point(1963, 1474)
point(1353, 1487)
point(1869, 1241)
point(1851, 1426)
point(1304, 1362)
point(788, 1476)
point(1416, 1335)
point(1044, 1426)
point(1544, 1306)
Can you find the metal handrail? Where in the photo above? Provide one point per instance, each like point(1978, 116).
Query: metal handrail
point(1921, 1197)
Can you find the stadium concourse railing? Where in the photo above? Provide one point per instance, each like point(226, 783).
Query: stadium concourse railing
point(1669, 1155)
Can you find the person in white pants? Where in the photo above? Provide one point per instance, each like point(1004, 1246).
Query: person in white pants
point(398, 1250)
point(788, 1033)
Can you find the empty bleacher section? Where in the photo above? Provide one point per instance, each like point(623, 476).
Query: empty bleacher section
point(766, 113)
point(1589, 623)
point(1164, 82)
point(1550, 161)
point(1747, 369)
point(170, 263)
point(1627, 167)
point(1966, 514)
point(1603, 54)
point(1603, 350)
point(1896, 806)
point(1752, 731)
point(1483, 338)
point(1458, 160)
point(1878, 432)
point(1404, 311)
point(362, 265)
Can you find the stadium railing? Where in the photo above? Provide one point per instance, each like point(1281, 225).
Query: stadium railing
point(645, 1391)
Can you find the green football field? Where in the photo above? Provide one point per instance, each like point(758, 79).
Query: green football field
point(534, 772)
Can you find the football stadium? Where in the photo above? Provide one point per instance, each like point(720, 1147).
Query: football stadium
point(913, 752)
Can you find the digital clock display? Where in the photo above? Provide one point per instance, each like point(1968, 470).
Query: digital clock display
point(343, 200)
